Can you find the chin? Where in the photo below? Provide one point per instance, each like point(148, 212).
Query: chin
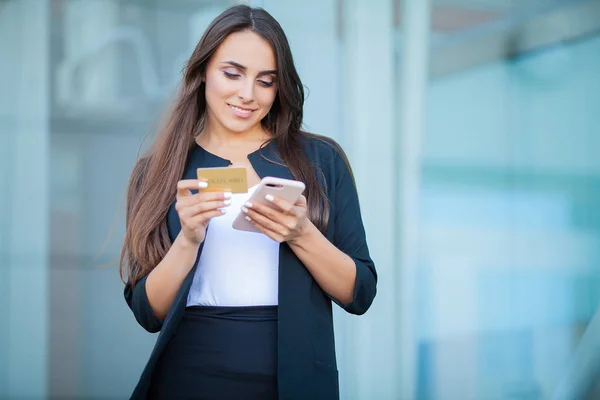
point(238, 127)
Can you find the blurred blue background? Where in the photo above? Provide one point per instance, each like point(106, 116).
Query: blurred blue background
point(473, 127)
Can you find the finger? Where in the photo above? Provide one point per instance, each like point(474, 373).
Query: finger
point(199, 208)
point(183, 202)
point(211, 196)
point(266, 222)
point(201, 219)
point(271, 234)
point(301, 202)
point(185, 186)
point(285, 206)
point(270, 212)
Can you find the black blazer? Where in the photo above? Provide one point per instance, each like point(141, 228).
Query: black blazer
point(306, 353)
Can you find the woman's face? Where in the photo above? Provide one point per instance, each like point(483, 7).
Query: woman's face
point(240, 82)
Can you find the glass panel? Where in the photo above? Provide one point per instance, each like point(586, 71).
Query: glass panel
point(511, 230)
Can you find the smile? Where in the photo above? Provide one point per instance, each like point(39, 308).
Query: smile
point(240, 110)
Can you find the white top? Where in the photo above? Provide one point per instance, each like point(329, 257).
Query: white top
point(236, 268)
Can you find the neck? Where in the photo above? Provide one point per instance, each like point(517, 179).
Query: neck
point(214, 135)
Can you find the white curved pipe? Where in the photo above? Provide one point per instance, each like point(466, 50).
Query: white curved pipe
point(151, 86)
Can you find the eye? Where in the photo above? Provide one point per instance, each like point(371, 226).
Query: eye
point(231, 75)
point(265, 83)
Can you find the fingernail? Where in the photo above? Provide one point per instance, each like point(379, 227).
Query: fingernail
point(227, 195)
point(248, 218)
point(202, 185)
point(269, 197)
point(227, 202)
point(244, 209)
point(248, 204)
point(223, 210)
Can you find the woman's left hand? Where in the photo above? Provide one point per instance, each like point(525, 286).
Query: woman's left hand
point(283, 223)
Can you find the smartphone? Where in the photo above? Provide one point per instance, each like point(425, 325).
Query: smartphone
point(285, 189)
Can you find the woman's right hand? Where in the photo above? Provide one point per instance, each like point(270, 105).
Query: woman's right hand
point(196, 210)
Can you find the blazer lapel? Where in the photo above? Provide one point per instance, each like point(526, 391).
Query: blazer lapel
point(268, 162)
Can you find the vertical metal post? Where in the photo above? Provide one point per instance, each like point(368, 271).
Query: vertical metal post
point(411, 118)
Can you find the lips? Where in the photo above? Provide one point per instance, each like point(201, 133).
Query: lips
point(241, 112)
point(241, 108)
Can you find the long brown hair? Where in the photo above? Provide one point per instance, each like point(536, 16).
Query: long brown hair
point(152, 186)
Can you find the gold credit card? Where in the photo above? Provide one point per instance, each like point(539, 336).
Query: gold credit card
point(224, 179)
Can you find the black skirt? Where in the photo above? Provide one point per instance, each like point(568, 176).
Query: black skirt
point(220, 353)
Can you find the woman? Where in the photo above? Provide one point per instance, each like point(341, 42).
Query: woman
point(242, 315)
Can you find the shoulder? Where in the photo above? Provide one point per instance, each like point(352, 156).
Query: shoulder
point(323, 151)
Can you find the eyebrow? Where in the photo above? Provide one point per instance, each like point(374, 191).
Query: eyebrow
point(241, 67)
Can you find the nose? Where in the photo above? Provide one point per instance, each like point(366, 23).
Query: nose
point(246, 92)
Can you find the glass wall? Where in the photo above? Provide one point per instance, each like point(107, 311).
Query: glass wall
point(480, 187)
point(508, 273)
